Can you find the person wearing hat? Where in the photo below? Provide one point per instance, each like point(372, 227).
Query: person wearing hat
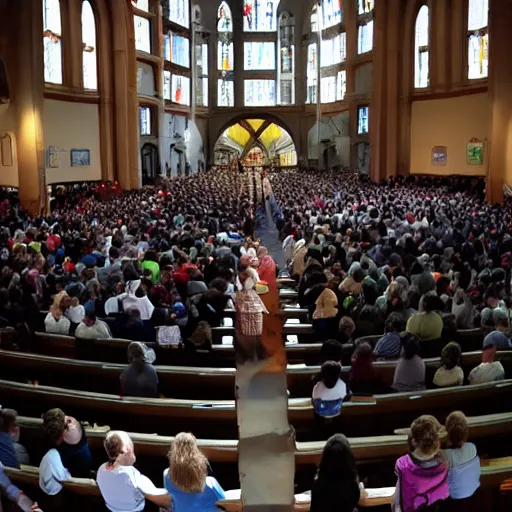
point(489, 369)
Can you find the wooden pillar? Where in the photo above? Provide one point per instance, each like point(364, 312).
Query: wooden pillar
point(105, 88)
point(28, 100)
point(125, 94)
point(377, 111)
point(500, 99)
point(72, 45)
point(439, 45)
point(458, 24)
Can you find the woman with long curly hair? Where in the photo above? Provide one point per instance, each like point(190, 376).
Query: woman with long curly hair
point(187, 480)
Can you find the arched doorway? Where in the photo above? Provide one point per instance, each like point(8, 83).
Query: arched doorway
point(150, 163)
point(256, 142)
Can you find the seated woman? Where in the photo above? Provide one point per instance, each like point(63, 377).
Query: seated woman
point(489, 369)
point(428, 324)
point(140, 378)
point(362, 374)
point(122, 486)
point(187, 480)
point(325, 315)
point(423, 472)
point(336, 486)
point(462, 458)
point(55, 321)
point(410, 370)
point(328, 394)
point(450, 373)
point(390, 345)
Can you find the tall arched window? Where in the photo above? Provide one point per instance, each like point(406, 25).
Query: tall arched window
point(225, 57)
point(52, 31)
point(286, 60)
point(89, 54)
point(260, 15)
point(478, 39)
point(421, 53)
point(365, 25)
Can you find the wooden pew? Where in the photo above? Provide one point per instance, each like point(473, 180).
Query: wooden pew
point(218, 418)
point(365, 449)
point(84, 494)
point(187, 382)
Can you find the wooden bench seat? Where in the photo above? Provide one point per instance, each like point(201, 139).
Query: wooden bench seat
point(218, 418)
point(84, 494)
point(187, 382)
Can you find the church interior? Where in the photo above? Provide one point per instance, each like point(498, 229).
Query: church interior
point(261, 248)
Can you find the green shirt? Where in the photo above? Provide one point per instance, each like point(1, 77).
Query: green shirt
point(154, 267)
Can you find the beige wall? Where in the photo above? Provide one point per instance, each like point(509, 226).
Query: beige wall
point(450, 122)
point(8, 174)
point(69, 126)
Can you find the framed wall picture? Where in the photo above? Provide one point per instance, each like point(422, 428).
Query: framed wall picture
point(475, 152)
point(80, 158)
point(439, 155)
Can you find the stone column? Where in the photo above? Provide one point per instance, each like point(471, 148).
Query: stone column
point(500, 99)
point(28, 100)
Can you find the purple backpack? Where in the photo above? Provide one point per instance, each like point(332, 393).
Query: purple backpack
point(421, 487)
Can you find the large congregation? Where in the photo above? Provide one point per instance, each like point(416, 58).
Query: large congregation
point(383, 270)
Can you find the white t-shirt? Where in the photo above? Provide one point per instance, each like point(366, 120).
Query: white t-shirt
point(487, 372)
point(52, 473)
point(56, 327)
point(75, 314)
point(445, 378)
point(338, 392)
point(98, 330)
point(123, 488)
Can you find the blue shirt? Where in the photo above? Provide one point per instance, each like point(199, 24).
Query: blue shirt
point(7, 453)
point(389, 346)
point(195, 501)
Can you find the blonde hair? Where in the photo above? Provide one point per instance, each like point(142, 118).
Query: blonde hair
point(188, 466)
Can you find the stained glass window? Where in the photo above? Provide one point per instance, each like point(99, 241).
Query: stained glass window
point(331, 13)
point(314, 19)
point(365, 6)
point(421, 52)
point(224, 19)
point(260, 15)
point(90, 68)
point(334, 87)
point(478, 55)
point(52, 42)
point(260, 93)
point(365, 37)
point(333, 50)
point(478, 39)
point(179, 12)
point(341, 89)
point(225, 55)
point(180, 89)
point(362, 120)
point(202, 74)
point(179, 48)
point(226, 93)
point(142, 34)
point(167, 85)
point(259, 55)
point(286, 71)
point(312, 72)
point(478, 14)
point(145, 120)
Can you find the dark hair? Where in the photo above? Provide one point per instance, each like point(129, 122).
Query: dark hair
point(7, 419)
point(54, 425)
point(410, 346)
point(337, 463)
point(363, 352)
point(394, 322)
point(431, 302)
point(331, 350)
point(450, 355)
point(330, 372)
